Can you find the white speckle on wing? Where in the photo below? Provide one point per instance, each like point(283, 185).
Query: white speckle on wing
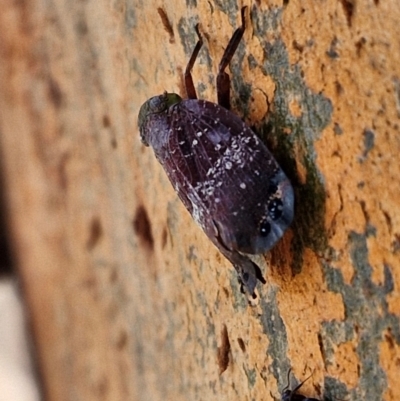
point(197, 211)
point(221, 157)
point(210, 171)
point(206, 188)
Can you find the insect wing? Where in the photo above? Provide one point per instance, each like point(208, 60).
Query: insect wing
point(230, 177)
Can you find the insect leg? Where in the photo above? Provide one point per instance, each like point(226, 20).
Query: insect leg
point(288, 381)
point(298, 386)
point(223, 80)
point(248, 272)
point(190, 90)
point(291, 395)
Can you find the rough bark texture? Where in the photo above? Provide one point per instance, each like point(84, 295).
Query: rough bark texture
point(127, 297)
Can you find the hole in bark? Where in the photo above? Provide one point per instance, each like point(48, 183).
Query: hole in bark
point(164, 237)
point(348, 7)
point(166, 24)
point(106, 121)
point(55, 93)
point(360, 45)
point(242, 345)
point(142, 227)
point(224, 350)
point(95, 233)
point(6, 266)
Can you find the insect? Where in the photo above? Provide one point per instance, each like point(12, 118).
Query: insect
point(291, 395)
point(225, 176)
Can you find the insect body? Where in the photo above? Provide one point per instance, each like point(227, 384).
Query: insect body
point(291, 395)
point(225, 176)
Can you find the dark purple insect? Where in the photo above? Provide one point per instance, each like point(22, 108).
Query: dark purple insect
point(225, 176)
point(291, 395)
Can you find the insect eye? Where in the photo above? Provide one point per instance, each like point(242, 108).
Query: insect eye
point(265, 228)
point(273, 188)
point(275, 209)
point(157, 103)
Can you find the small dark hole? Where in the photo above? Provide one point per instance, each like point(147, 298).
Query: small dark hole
point(142, 227)
point(241, 344)
point(106, 121)
point(96, 231)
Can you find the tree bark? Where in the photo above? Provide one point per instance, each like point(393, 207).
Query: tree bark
point(127, 297)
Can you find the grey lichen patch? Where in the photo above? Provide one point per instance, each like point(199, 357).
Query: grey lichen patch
point(242, 90)
point(334, 389)
point(331, 334)
point(191, 255)
point(291, 136)
point(369, 143)
point(274, 328)
point(266, 21)
point(130, 17)
point(251, 377)
point(188, 37)
point(252, 62)
point(367, 318)
point(229, 7)
point(172, 218)
point(187, 34)
point(240, 302)
point(191, 3)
